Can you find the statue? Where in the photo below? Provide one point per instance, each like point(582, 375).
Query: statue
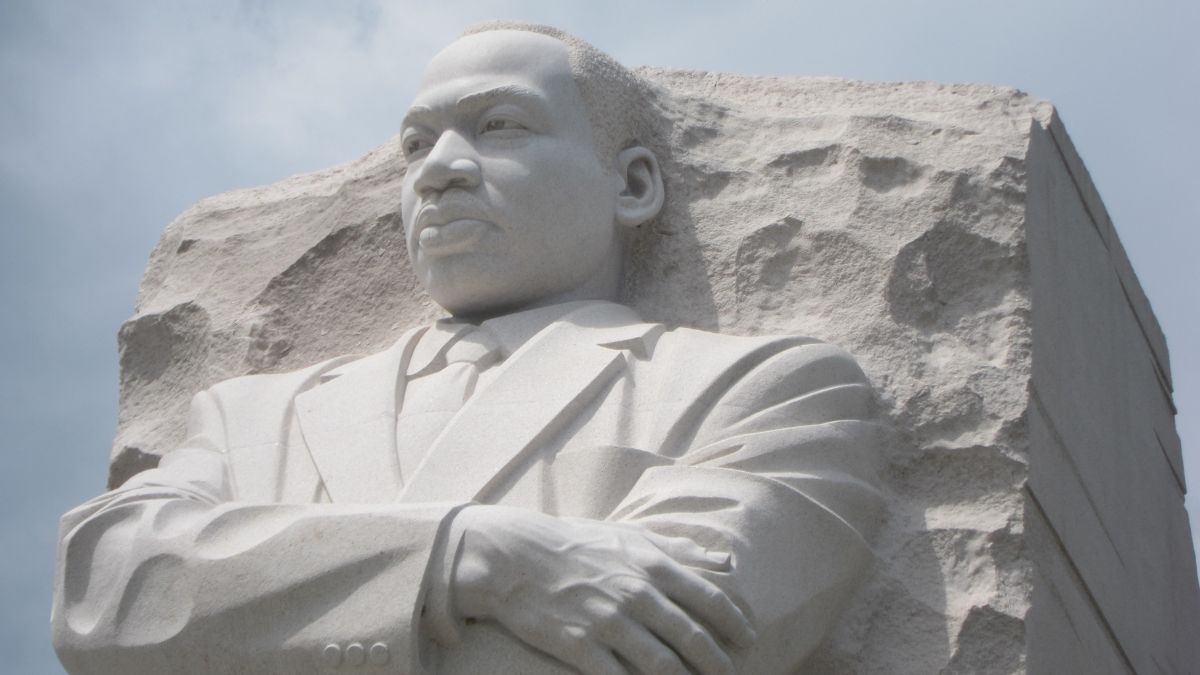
point(541, 482)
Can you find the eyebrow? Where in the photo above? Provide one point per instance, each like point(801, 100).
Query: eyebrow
point(506, 92)
point(483, 99)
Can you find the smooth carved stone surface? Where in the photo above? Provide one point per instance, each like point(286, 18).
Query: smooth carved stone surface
point(890, 219)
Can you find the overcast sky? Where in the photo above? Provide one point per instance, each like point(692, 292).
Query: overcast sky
point(115, 116)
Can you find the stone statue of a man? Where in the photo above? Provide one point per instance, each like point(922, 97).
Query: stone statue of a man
point(541, 482)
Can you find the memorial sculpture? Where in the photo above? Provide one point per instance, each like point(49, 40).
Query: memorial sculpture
point(541, 482)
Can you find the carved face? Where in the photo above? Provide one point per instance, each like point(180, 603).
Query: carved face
point(505, 203)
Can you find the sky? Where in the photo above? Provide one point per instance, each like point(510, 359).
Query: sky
point(116, 116)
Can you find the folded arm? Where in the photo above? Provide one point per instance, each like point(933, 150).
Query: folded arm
point(171, 573)
point(780, 473)
point(763, 519)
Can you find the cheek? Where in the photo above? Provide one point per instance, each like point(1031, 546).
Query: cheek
point(408, 203)
point(407, 215)
point(406, 197)
point(552, 190)
point(578, 174)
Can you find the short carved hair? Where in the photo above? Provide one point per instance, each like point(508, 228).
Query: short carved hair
point(617, 100)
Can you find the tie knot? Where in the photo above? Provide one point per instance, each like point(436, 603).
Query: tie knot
point(475, 346)
point(445, 343)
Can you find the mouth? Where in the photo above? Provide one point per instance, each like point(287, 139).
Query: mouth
point(449, 226)
point(454, 236)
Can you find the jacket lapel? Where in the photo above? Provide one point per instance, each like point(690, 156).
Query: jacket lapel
point(349, 424)
point(539, 389)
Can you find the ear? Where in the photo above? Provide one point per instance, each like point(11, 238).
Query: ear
point(641, 197)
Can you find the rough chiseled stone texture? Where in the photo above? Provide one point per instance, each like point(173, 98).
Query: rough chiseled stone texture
point(887, 218)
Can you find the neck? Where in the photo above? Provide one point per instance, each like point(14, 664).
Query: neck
point(604, 285)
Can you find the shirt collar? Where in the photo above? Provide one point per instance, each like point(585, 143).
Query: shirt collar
point(514, 330)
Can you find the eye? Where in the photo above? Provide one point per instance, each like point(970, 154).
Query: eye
point(502, 125)
point(415, 145)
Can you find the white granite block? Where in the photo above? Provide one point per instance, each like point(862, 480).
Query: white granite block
point(1066, 632)
point(1109, 486)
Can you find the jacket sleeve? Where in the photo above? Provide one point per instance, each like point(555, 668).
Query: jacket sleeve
point(171, 573)
point(779, 470)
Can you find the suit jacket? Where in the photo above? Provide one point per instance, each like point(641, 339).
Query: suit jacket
point(282, 537)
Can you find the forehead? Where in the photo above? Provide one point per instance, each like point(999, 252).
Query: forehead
point(506, 58)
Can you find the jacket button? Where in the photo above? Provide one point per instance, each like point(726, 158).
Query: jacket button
point(356, 654)
point(332, 654)
point(379, 654)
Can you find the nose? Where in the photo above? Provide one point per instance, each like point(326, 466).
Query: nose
point(450, 163)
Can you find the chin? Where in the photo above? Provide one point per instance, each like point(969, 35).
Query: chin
point(463, 287)
point(472, 302)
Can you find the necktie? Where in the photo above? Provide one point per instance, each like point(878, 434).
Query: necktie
point(435, 391)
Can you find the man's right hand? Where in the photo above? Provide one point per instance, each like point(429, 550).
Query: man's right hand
point(588, 592)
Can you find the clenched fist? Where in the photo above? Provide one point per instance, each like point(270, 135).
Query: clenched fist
point(599, 596)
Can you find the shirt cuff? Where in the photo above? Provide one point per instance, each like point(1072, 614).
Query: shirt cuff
point(439, 615)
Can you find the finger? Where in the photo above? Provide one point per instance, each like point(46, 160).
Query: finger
point(687, 552)
point(640, 647)
point(575, 648)
point(683, 634)
point(682, 549)
point(706, 601)
point(597, 660)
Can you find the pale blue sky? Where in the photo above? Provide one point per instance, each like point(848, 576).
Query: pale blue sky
point(116, 116)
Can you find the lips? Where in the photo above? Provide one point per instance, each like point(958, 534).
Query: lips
point(452, 237)
point(447, 228)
